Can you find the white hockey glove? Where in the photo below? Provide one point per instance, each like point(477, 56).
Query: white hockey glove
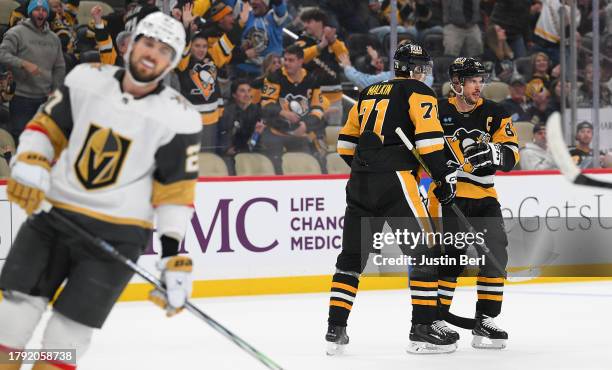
point(176, 276)
point(30, 180)
point(483, 155)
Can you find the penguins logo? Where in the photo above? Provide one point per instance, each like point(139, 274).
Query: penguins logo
point(100, 161)
point(203, 76)
point(298, 104)
point(460, 140)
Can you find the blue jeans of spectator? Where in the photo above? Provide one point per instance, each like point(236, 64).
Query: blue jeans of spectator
point(21, 111)
point(518, 47)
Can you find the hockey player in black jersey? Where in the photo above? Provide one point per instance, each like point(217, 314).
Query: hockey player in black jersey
point(480, 140)
point(383, 184)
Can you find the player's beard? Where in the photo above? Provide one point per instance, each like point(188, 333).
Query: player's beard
point(469, 100)
point(138, 75)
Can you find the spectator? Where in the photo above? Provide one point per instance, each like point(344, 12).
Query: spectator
point(499, 52)
point(513, 17)
point(540, 66)
point(554, 105)
point(404, 20)
point(271, 63)
point(64, 14)
point(292, 109)
point(241, 125)
point(581, 153)
point(584, 97)
point(428, 15)
point(516, 105)
point(322, 48)
point(547, 31)
point(539, 97)
point(34, 54)
point(7, 90)
point(263, 34)
point(535, 155)
point(461, 32)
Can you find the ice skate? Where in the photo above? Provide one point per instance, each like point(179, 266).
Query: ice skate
point(336, 340)
point(431, 339)
point(487, 335)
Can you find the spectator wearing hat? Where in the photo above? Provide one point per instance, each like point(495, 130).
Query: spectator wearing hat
point(581, 153)
point(535, 155)
point(34, 55)
point(516, 105)
point(539, 96)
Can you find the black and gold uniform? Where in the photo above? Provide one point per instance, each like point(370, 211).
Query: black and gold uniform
point(302, 97)
point(383, 183)
point(487, 130)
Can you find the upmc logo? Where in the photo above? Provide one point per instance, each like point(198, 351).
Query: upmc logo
point(221, 219)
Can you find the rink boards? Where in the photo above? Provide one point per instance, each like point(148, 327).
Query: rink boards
point(275, 235)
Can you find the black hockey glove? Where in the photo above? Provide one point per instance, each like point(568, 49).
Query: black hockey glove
point(484, 155)
point(446, 189)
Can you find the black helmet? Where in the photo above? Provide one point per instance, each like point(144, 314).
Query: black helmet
point(466, 67)
point(411, 57)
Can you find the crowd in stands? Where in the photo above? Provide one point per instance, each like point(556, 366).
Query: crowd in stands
point(268, 76)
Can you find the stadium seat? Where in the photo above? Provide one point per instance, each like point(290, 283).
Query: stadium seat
point(6, 7)
point(253, 164)
point(211, 165)
point(331, 137)
point(6, 142)
point(336, 165)
point(4, 169)
point(496, 91)
point(300, 164)
point(524, 130)
point(84, 15)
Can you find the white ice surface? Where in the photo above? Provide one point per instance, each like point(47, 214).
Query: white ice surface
point(551, 326)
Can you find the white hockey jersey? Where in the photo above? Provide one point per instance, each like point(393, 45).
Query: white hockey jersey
point(116, 157)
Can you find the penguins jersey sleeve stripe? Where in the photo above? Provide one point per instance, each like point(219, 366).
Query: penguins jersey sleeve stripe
point(349, 136)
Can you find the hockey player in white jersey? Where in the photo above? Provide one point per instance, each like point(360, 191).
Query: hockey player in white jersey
point(112, 149)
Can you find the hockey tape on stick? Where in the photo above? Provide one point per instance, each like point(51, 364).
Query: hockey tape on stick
point(111, 251)
point(560, 154)
point(480, 247)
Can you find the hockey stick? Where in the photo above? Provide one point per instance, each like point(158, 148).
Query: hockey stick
point(480, 247)
point(111, 251)
point(560, 153)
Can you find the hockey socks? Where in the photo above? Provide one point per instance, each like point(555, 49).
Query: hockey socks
point(343, 291)
point(490, 295)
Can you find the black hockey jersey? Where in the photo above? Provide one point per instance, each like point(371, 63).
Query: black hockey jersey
point(487, 122)
point(387, 105)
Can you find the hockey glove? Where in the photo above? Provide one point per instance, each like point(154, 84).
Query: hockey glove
point(484, 155)
point(29, 181)
point(446, 189)
point(176, 276)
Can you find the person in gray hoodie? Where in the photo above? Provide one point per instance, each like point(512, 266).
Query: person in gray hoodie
point(34, 54)
point(535, 155)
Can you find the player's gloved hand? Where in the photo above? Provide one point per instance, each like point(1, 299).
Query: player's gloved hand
point(29, 181)
point(446, 189)
point(176, 276)
point(483, 155)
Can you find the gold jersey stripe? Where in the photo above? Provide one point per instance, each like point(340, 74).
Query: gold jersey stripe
point(447, 284)
point(490, 297)
point(352, 126)
point(55, 134)
point(344, 151)
point(103, 217)
point(340, 304)
point(430, 149)
point(210, 118)
point(332, 96)
point(424, 302)
point(413, 198)
point(446, 302)
point(424, 284)
point(178, 193)
point(343, 286)
point(482, 279)
point(424, 113)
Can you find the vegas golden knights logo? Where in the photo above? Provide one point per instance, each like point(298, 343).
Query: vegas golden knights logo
point(101, 158)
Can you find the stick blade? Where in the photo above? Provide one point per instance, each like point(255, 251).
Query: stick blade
point(558, 148)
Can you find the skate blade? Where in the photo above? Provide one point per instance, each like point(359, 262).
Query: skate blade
point(486, 343)
point(423, 348)
point(335, 349)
